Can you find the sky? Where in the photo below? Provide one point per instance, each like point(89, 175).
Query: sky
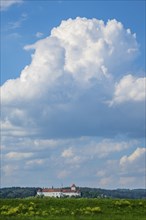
point(73, 93)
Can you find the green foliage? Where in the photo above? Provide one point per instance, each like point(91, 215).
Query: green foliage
point(72, 208)
point(117, 193)
point(18, 192)
point(122, 203)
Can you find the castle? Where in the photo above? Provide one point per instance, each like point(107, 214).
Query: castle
point(57, 192)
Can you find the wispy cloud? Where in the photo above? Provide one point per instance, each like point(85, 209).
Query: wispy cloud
point(86, 157)
point(9, 169)
point(17, 24)
point(14, 35)
point(5, 4)
point(18, 155)
point(39, 34)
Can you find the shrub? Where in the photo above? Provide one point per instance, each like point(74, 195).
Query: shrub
point(13, 211)
point(96, 210)
point(31, 213)
point(4, 208)
point(122, 203)
point(44, 213)
point(31, 208)
point(87, 212)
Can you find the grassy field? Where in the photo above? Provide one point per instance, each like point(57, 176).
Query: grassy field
point(72, 209)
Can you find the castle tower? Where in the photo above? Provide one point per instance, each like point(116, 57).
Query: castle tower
point(73, 187)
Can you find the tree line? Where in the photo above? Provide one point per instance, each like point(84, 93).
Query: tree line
point(86, 192)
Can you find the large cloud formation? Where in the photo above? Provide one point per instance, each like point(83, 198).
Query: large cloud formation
point(78, 85)
point(72, 77)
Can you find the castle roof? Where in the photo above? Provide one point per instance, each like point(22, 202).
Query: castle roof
point(60, 190)
point(51, 190)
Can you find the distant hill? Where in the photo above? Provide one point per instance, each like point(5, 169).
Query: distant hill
point(17, 192)
point(116, 193)
point(86, 192)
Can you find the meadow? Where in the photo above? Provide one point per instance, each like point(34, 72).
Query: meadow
point(72, 209)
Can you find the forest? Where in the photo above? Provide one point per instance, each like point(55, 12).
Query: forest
point(24, 192)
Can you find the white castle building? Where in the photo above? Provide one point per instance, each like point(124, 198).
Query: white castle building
point(53, 192)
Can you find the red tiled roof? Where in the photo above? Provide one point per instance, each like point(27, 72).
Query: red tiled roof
point(67, 191)
point(59, 190)
point(51, 190)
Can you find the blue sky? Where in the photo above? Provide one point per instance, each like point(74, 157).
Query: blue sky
point(73, 97)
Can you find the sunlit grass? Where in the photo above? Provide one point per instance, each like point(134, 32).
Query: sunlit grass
point(72, 209)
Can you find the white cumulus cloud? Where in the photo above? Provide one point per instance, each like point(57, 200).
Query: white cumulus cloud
point(134, 165)
point(71, 76)
point(138, 154)
point(129, 88)
point(81, 49)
